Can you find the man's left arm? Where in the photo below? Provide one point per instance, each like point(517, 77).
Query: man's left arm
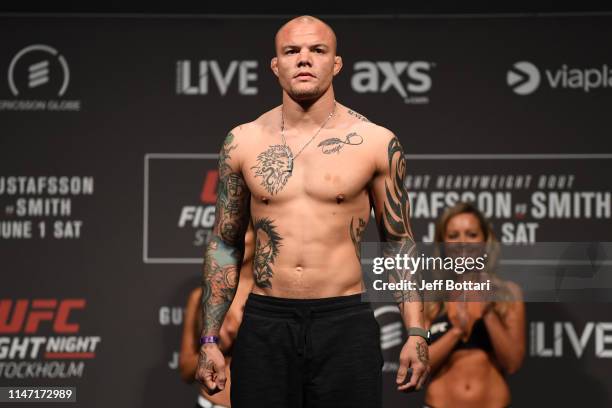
point(392, 210)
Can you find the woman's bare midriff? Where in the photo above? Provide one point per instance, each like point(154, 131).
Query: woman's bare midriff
point(469, 379)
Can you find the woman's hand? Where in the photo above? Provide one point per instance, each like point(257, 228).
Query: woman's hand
point(459, 317)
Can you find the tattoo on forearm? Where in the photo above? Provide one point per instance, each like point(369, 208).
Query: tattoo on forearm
point(274, 168)
point(220, 282)
point(334, 144)
point(358, 116)
point(395, 220)
point(267, 243)
point(422, 352)
point(356, 232)
point(224, 250)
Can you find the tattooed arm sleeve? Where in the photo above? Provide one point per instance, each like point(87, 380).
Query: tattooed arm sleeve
point(392, 210)
point(225, 249)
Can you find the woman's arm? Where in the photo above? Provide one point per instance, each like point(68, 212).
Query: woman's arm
point(443, 347)
point(233, 318)
point(188, 356)
point(508, 333)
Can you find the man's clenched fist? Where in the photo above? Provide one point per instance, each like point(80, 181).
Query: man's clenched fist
point(211, 369)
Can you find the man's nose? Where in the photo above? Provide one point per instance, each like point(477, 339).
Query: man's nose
point(304, 58)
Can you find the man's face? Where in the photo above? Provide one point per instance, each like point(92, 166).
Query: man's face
point(306, 60)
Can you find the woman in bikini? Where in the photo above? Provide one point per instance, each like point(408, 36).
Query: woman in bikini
point(475, 344)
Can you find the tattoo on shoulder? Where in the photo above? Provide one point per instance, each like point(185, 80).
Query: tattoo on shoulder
point(396, 212)
point(395, 220)
point(224, 156)
point(356, 234)
point(358, 116)
point(232, 194)
point(334, 144)
point(267, 243)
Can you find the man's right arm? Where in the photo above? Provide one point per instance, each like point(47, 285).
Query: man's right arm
point(224, 252)
point(222, 260)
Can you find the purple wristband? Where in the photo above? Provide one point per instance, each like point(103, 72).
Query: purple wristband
point(209, 339)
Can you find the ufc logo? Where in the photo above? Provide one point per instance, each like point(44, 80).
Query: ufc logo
point(38, 311)
point(211, 71)
point(440, 327)
point(202, 216)
point(208, 195)
point(402, 76)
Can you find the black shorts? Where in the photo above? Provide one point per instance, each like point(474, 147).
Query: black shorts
point(307, 353)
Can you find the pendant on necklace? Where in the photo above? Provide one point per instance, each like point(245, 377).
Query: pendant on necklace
point(290, 163)
point(289, 154)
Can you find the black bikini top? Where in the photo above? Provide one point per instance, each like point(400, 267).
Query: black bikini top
point(479, 337)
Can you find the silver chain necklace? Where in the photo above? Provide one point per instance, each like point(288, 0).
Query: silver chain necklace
point(291, 157)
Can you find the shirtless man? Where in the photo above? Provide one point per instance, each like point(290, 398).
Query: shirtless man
point(306, 175)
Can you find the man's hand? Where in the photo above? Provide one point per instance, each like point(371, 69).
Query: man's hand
point(415, 355)
point(211, 369)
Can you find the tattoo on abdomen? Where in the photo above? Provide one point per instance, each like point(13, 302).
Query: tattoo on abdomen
point(333, 145)
point(267, 243)
point(356, 233)
point(274, 167)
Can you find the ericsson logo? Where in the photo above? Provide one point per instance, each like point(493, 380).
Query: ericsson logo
point(32, 67)
point(523, 78)
point(199, 78)
point(36, 75)
point(410, 80)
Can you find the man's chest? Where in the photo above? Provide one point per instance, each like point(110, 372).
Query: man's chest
point(323, 170)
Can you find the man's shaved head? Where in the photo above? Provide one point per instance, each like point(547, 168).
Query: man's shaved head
point(306, 59)
point(300, 22)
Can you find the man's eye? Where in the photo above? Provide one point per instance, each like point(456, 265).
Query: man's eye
point(319, 50)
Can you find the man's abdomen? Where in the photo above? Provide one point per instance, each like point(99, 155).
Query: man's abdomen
point(308, 251)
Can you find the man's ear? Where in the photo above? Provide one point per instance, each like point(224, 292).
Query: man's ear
point(274, 65)
point(337, 64)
